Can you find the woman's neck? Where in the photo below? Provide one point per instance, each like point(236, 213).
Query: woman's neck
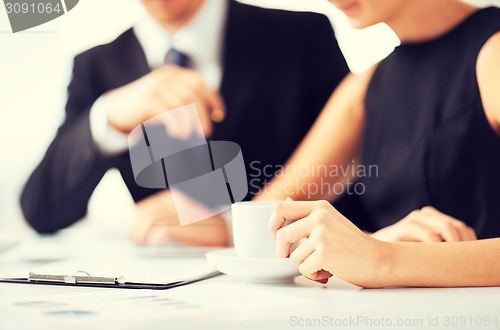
point(422, 20)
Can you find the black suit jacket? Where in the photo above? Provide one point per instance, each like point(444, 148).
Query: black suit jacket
point(279, 69)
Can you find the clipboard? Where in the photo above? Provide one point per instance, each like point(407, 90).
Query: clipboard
point(84, 279)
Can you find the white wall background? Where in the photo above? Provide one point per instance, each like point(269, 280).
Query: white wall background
point(35, 67)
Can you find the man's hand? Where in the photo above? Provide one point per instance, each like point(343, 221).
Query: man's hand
point(164, 89)
point(426, 225)
point(155, 222)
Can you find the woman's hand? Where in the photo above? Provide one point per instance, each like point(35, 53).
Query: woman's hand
point(332, 245)
point(426, 225)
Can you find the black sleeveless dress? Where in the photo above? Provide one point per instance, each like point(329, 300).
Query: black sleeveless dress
point(427, 132)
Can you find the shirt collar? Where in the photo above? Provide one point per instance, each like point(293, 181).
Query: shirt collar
point(201, 39)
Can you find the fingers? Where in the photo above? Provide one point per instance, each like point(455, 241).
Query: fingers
point(303, 251)
point(218, 111)
point(471, 234)
point(427, 225)
point(442, 224)
point(179, 125)
point(450, 229)
point(418, 232)
point(199, 95)
point(139, 230)
point(153, 213)
point(292, 233)
point(466, 233)
point(305, 257)
point(184, 86)
point(312, 267)
point(307, 260)
point(139, 227)
point(164, 89)
point(157, 236)
point(211, 104)
point(206, 123)
point(150, 232)
point(212, 99)
point(293, 211)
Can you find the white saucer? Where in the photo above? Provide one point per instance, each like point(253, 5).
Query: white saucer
point(255, 270)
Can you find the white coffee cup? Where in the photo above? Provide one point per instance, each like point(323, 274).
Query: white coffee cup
point(251, 236)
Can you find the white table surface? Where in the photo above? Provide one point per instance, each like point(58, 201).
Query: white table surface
point(336, 306)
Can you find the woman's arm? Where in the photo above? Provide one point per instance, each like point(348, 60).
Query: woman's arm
point(488, 78)
point(333, 140)
point(473, 263)
point(332, 245)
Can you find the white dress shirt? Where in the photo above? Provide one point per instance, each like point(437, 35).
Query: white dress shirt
point(201, 40)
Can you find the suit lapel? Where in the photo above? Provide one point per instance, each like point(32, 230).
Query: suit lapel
point(240, 77)
point(131, 60)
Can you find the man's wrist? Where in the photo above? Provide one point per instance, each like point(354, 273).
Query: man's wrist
point(109, 140)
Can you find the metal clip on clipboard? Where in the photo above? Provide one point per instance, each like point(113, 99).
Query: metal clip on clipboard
point(79, 277)
point(82, 278)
